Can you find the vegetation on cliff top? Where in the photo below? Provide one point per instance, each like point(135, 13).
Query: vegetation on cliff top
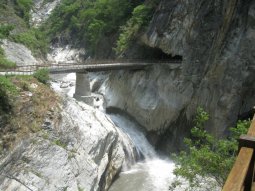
point(90, 22)
point(141, 15)
point(23, 8)
point(87, 22)
point(34, 39)
point(207, 159)
point(14, 26)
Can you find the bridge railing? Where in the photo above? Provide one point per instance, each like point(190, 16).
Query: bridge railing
point(241, 177)
point(24, 69)
point(108, 61)
point(77, 65)
point(31, 68)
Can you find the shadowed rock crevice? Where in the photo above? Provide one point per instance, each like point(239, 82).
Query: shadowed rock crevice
point(144, 52)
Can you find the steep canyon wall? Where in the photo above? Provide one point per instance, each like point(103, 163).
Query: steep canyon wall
point(216, 42)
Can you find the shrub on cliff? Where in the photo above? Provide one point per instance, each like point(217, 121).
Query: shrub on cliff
point(5, 63)
point(34, 39)
point(7, 89)
point(23, 7)
point(140, 17)
point(42, 75)
point(5, 30)
point(207, 159)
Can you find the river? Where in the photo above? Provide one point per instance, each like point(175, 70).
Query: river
point(152, 172)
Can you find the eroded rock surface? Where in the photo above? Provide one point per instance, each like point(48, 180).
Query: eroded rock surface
point(18, 53)
point(215, 41)
point(61, 53)
point(83, 151)
point(42, 10)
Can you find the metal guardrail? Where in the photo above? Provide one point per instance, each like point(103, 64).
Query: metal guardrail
point(241, 177)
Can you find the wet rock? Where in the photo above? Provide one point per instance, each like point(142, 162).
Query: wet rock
point(153, 97)
point(72, 84)
point(64, 84)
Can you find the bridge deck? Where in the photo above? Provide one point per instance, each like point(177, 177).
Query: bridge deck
point(96, 67)
point(92, 66)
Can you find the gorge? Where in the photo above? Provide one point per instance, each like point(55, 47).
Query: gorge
point(138, 116)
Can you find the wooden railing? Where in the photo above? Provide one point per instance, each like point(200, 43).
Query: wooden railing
point(241, 177)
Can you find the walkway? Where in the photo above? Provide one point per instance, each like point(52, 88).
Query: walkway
point(91, 66)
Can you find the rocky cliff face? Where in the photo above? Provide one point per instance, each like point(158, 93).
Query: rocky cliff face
point(41, 11)
point(18, 53)
point(216, 42)
point(82, 151)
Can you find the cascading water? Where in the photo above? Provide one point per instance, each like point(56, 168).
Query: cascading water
point(152, 173)
point(131, 129)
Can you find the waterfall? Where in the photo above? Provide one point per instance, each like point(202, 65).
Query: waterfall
point(131, 129)
point(150, 174)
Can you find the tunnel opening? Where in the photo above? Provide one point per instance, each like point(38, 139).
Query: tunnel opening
point(158, 54)
point(150, 53)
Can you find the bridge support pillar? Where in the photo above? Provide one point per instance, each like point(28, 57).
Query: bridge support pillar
point(82, 89)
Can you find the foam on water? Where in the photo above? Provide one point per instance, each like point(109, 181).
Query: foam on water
point(151, 174)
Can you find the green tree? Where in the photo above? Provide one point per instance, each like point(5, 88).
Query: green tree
point(23, 7)
point(207, 159)
point(140, 17)
point(5, 30)
point(90, 21)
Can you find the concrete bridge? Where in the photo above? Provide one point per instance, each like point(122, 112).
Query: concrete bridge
point(82, 88)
